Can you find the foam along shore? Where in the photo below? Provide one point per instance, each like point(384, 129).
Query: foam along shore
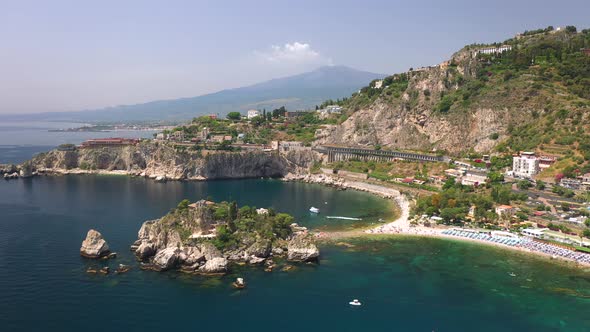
point(402, 226)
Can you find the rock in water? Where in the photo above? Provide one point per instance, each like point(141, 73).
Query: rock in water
point(214, 265)
point(302, 248)
point(94, 246)
point(166, 258)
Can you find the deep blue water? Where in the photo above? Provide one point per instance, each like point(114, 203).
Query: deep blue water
point(19, 141)
point(406, 284)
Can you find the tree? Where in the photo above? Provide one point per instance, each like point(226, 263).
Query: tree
point(234, 116)
point(541, 185)
point(496, 177)
point(586, 233)
point(233, 210)
point(257, 120)
point(232, 216)
point(449, 183)
point(279, 112)
point(183, 205)
point(501, 194)
point(524, 185)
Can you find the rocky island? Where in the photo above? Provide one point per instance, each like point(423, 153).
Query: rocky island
point(94, 246)
point(205, 237)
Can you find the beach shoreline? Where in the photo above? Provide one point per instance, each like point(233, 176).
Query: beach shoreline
point(401, 225)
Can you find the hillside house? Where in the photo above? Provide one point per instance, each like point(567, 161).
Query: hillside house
point(473, 179)
point(525, 165)
point(454, 172)
point(546, 162)
point(286, 146)
point(177, 136)
point(253, 114)
point(573, 184)
point(505, 211)
point(437, 179)
point(220, 138)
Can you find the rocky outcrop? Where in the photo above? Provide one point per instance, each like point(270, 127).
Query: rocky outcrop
point(302, 248)
point(7, 169)
point(183, 239)
point(94, 246)
point(215, 265)
point(162, 161)
point(167, 258)
point(26, 170)
point(14, 172)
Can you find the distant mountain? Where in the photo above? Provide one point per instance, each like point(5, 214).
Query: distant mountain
point(294, 92)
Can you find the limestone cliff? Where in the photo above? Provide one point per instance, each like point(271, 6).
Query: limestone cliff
point(473, 100)
point(162, 160)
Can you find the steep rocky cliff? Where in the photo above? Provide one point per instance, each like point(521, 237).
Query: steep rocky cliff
point(163, 160)
point(474, 100)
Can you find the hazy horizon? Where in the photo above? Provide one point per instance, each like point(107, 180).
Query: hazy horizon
point(68, 56)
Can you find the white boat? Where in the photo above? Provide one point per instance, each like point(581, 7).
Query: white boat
point(354, 302)
point(314, 209)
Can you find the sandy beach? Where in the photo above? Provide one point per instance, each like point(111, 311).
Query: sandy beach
point(402, 226)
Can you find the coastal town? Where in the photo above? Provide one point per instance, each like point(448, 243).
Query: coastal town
point(280, 165)
point(501, 199)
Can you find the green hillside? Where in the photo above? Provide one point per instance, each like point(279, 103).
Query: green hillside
point(543, 80)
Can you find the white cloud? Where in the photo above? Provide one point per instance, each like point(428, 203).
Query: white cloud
point(293, 54)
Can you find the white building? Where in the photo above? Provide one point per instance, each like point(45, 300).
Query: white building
point(526, 165)
point(334, 109)
point(330, 109)
point(471, 179)
point(493, 50)
point(253, 114)
point(534, 232)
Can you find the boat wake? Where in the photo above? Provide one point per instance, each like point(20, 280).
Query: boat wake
point(344, 218)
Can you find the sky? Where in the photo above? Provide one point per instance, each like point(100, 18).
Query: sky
point(73, 55)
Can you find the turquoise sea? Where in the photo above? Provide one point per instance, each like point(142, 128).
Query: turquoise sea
point(405, 284)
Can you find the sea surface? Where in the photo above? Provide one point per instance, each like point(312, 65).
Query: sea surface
point(404, 283)
point(19, 141)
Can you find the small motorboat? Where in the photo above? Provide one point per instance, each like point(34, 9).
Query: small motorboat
point(314, 210)
point(512, 274)
point(354, 302)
